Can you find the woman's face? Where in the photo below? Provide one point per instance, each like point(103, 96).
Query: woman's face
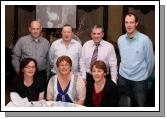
point(64, 68)
point(98, 74)
point(29, 69)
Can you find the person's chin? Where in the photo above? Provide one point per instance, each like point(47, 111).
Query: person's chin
point(96, 79)
point(64, 73)
point(129, 32)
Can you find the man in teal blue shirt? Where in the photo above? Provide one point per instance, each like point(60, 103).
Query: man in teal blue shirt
point(137, 61)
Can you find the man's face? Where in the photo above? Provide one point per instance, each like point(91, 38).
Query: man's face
point(97, 35)
point(35, 29)
point(130, 24)
point(67, 33)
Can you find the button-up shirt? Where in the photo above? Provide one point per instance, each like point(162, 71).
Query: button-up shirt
point(26, 47)
point(106, 53)
point(137, 57)
point(58, 49)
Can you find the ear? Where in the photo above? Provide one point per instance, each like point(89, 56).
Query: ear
point(41, 28)
point(136, 24)
point(102, 34)
point(29, 28)
point(105, 74)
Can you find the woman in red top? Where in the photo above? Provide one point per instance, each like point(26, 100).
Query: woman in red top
point(101, 92)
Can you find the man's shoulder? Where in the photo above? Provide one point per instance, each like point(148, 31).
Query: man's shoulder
point(106, 42)
point(25, 37)
point(122, 36)
point(56, 41)
point(142, 35)
point(89, 42)
point(44, 39)
point(76, 42)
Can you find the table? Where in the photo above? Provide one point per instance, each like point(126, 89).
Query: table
point(44, 103)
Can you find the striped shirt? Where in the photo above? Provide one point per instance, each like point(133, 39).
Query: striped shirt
point(26, 46)
point(96, 98)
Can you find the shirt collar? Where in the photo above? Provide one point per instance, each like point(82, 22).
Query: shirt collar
point(72, 41)
point(135, 37)
point(101, 43)
point(36, 40)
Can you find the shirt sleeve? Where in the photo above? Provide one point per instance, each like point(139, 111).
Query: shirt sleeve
point(17, 55)
point(79, 57)
point(113, 64)
point(48, 64)
point(51, 56)
point(50, 90)
point(149, 56)
point(81, 88)
point(83, 63)
point(41, 84)
point(14, 87)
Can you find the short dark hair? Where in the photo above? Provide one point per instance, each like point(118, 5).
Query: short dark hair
point(98, 26)
point(99, 64)
point(23, 64)
point(132, 14)
point(67, 25)
point(64, 58)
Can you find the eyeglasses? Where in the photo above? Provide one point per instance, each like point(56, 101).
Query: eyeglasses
point(30, 67)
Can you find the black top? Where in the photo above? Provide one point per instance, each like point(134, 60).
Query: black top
point(31, 92)
point(109, 95)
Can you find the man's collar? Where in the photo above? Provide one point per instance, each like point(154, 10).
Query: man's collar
point(100, 43)
point(71, 42)
point(135, 36)
point(36, 39)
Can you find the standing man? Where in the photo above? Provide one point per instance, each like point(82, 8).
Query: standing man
point(98, 49)
point(65, 46)
point(33, 46)
point(137, 61)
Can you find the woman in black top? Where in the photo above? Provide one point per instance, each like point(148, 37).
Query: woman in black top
point(101, 92)
point(27, 84)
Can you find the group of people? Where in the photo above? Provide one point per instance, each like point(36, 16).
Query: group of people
point(86, 75)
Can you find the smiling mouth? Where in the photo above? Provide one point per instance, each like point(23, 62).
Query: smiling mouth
point(96, 77)
point(30, 72)
point(64, 70)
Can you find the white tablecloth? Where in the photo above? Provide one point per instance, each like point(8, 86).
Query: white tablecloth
point(44, 104)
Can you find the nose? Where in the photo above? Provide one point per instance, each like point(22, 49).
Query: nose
point(95, 73)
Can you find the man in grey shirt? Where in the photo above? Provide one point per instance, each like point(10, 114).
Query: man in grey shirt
point(34, 46)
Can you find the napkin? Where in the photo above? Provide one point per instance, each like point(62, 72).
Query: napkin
point(19, 101)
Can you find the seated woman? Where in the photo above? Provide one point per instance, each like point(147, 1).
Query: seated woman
point(65, 86)
point(27, 84)
point(101, 92)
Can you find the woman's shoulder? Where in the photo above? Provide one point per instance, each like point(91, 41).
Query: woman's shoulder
point(110, 84)
point(53, 79)
point(77, 79)
point(17, 81)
